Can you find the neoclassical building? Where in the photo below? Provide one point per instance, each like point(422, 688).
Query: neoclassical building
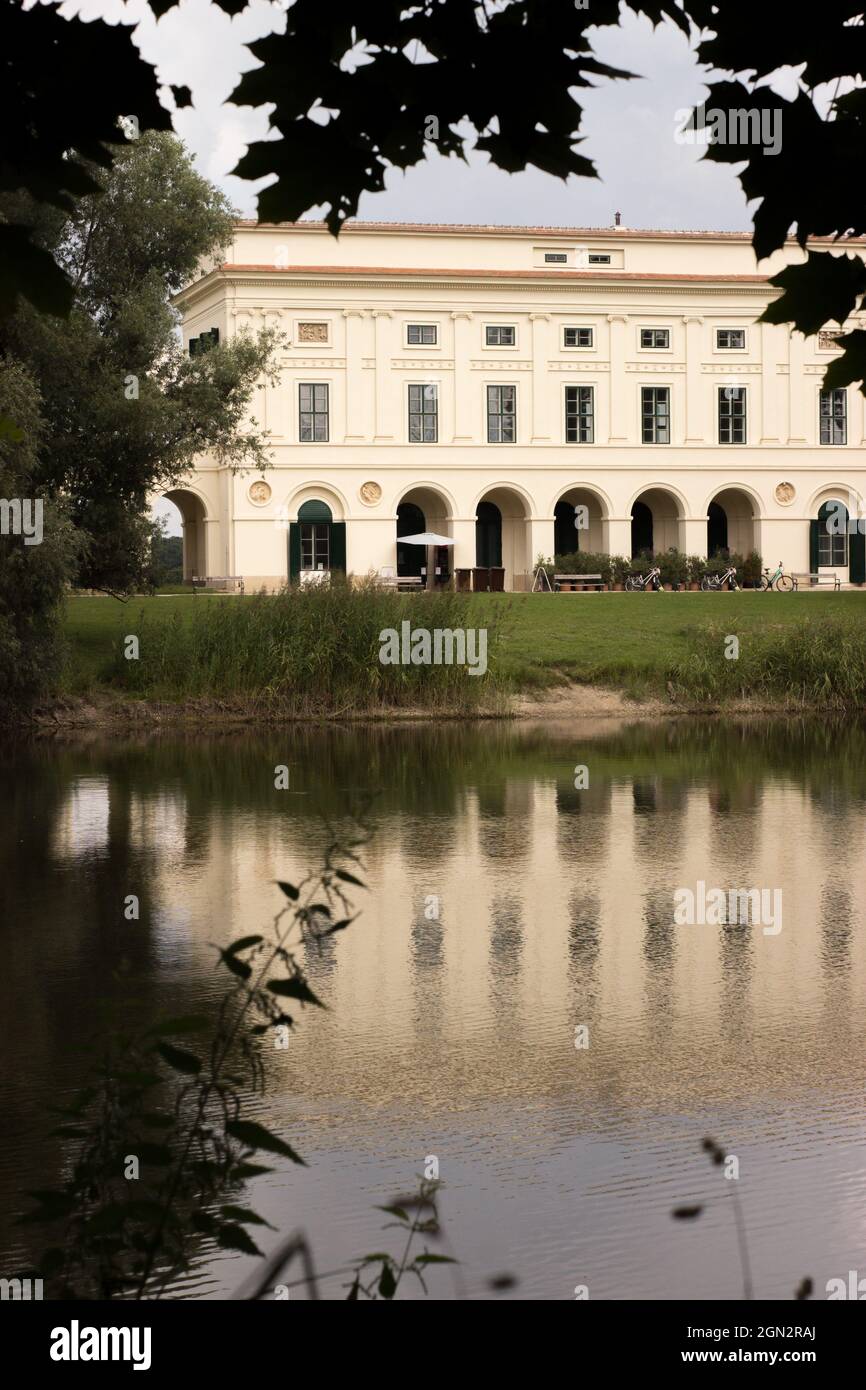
point(484, 382)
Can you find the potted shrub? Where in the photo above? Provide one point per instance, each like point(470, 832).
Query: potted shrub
point(674, 567)
point(619, 567)
point(752, 567)
point(695, 564)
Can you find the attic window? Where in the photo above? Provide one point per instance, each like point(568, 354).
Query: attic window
point(556, 258)
point(596, 258)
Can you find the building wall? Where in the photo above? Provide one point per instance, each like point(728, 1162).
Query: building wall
point(344, 306)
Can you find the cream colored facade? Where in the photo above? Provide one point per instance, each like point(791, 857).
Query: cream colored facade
point(386, 308)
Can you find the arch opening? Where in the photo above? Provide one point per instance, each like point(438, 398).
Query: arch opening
point(656, 523)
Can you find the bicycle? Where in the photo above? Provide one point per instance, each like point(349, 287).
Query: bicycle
point(782, 583)
point(713, 582)
point(637, 583)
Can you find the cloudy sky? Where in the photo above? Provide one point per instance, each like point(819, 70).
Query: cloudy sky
point(645, 174)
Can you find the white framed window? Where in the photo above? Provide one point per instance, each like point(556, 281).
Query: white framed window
point(654, 339)
point(833, 410)
point(501, 414)
point(577, 337)
point(422, 335)
point(579, 414)
point(655, 408)
point(423, 413)
point(500, 335)
point(730, 339)
point(732, 414)
point(313, 412)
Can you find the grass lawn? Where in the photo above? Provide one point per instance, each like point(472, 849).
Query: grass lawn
point(626, 640)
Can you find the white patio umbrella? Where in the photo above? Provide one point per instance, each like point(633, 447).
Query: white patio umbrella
point(427, 539)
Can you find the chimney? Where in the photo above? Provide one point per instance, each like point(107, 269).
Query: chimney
point(617, 218)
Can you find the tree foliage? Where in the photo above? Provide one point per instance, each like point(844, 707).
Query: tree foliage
point(125, 410)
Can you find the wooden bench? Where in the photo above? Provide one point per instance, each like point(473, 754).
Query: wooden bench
point(817, 579)
point(220, 583)
point(410, 581)
point(594, 581)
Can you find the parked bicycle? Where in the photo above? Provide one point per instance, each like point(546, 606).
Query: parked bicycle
point(712, 582)
point(782, 583)
point(635, 583)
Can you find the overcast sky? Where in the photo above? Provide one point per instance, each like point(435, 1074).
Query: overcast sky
point(628, 127)
point(645, 174)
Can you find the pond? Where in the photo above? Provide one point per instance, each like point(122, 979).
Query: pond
point(516, 1000)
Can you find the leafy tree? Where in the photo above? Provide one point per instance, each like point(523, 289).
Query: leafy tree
point(32, 570)
point(125, 410)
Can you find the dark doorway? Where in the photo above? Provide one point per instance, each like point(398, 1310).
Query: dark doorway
point(641, 529)
point(717, 530)
point(565, 535)
point(488, 535)
point(410, 522)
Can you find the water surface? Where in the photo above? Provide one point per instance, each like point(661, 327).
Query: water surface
point(456, 1037)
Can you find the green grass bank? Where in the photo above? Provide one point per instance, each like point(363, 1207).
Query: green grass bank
point(318, 652)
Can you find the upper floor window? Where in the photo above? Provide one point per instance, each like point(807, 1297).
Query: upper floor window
point(655, 415)
point(597, 258)
point(423, 414)
point(501, 414)
point(577, 337)
point(732, 414)
point(655, 337)
point(834, 416)
point(500, 335)
point(313, 413)
point(579, 415)
point(422, 334)
point(556, 258)
point(204, 342)
point(730, 338)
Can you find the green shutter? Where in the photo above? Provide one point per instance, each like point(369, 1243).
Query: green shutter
point(314, 511)
point(338, 546)
point(294, 551)
point(857, 557)
point(813, 546)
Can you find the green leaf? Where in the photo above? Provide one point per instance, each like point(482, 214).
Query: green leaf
point(255, 1136)
point(179, 1059)
point(434, 1260)
point(686, 1213)
point(237, 967)
point(295, 988)
point(387, 1282)
point(242, 943)
point(290, 890)
point(245, 1216)
point(395, 1211)
point(234, 1237)
point(249, 1170)
point(350, 878)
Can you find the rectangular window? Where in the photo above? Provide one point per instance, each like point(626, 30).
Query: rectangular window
point(834, 417)
point(655, 338)
point(579, 415)
point(732, 414)
point(577, 337)
point(423, 414)
point(832, 547)
point(315, 546)
point(596, 258)
point(655, 414)
point(498, 335)
point(313, 413)
point(556, 258)
point(501, 414)
point(421, 334)
point(730, 338)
